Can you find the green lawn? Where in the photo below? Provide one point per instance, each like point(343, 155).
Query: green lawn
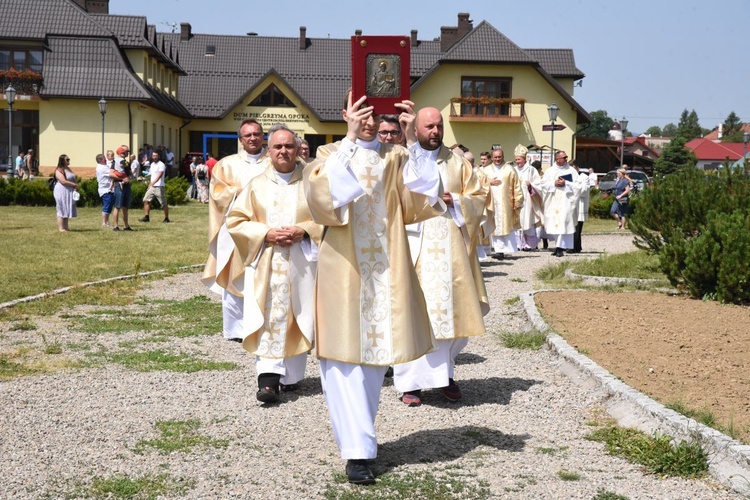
point(38, 258)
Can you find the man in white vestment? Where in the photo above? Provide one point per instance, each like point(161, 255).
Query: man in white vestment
point(583, 207)
point(447, 267)
point(277, 240)
point(224, 269)
point(505, 200)
point(370, 311)
point(561, 189)
point(532, 211)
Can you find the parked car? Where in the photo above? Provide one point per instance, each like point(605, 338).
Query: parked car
point(607, 183)
point(185, 164)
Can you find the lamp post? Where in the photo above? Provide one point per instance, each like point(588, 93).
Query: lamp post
point(623, 125)
point(103, 111)
point(10, 96)
point(745, 139)
point(552, 111)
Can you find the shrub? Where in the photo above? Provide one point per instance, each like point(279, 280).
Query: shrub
point(177, 189)
point(35, 192)
point(696, 223)
point(600, 204)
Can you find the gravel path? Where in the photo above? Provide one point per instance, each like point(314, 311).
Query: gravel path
point(520, 423)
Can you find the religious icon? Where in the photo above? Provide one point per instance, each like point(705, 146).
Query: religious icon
point(383, 75)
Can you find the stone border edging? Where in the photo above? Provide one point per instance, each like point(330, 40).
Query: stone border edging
point(729, 459)
point(605, 280)
point(91, 283)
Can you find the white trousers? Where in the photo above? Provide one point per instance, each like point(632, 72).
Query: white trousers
point(431, 370)
point(527, 239)
point(232, 311)
point(504, 244)
point(563, 240)
point(292, 370)
point(352, 394)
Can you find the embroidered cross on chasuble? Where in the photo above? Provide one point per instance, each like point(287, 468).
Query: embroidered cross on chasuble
point(272, 339)
point(369, 222)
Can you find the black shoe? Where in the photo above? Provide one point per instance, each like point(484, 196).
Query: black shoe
point(235, 339)
point(115, 228)
point(359, 472)
point(558, 252)
point(389, 372)
point(289, 387)
point(267, 395)
point(145, 218)
point(498, 256)
point(127, 228)
point(166, 219)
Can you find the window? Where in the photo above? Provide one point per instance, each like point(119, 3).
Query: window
point(21, 59)
point(272, 96)
point(482, 86)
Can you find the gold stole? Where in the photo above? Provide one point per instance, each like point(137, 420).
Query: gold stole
point(272, 337)
point(369, 220)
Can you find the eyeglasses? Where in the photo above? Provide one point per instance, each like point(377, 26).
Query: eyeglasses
point(384, 133)
point(562, 157)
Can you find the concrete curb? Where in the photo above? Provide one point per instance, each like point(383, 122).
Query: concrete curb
point(608, 280)
point(92, 283)
point(729, 459)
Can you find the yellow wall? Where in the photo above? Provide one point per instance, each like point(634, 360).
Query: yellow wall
point(73, 127)
point(300, 119)
point(445, 83)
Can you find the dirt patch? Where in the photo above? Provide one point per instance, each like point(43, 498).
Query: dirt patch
point(672, 348)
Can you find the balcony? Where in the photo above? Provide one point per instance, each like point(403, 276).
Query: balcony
point(26, 82)
point(487, 109)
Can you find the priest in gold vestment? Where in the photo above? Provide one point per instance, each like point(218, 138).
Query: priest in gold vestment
point(447, 267)
point(370, 311)
point(505, 199)
point(224, 269)
point(277, 241)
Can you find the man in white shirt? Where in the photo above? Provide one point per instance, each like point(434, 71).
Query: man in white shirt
point(104, 188)
point(156, 188)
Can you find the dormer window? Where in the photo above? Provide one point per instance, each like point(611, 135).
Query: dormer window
point(210, 50)
point(272, 96)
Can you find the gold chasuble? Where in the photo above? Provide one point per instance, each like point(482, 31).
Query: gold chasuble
point(229, 177)
point(280, 324)
point(369, 306)
point(447, 266)
point(506, 199)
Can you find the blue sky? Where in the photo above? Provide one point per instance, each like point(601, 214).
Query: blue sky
point(645, 60)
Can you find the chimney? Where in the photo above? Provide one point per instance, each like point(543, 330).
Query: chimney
point(302, 38)
point(465, 25)
point(414, 41)
point(357, 32)
point(448, 36)
point(186, 32)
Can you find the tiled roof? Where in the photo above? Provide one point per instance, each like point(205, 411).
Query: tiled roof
point(35, 19)
point(714, 134)
point(559, 63)
point(88, 67)
point(216, 83)
point(705, 149)
point(129, 30)
point(485, 43)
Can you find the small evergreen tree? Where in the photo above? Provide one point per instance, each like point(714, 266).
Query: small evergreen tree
point(689, 126)
point(674, 158)
point(669, 130)
point(732, 128)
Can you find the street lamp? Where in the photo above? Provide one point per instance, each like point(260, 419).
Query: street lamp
point(553, 111)
point(10, 96)
point(745, 139)
point(623, 125)
point(103, 111)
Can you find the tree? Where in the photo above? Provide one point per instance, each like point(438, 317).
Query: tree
point(669, 130)
point(732, 128)
point(674, 158)
point(599, 127)
point(654, 131)
point(689, 126)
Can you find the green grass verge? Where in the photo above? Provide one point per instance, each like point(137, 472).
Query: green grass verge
point(705, 417)
point(44, 259)
point(157, 360)
point(435, 485)
point(143, 487)
point(178, 436)
point(193, 317)
point(637, 264)
point(608, 495)
point(532, 340)
point(657, 454)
